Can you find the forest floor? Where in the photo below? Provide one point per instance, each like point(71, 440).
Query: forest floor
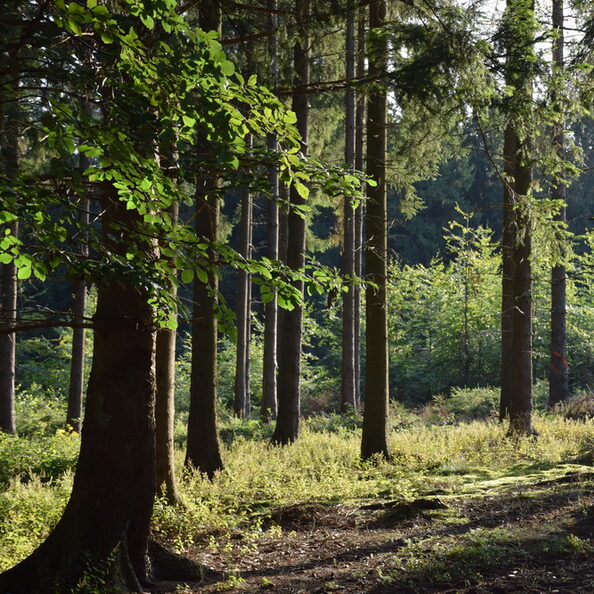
point(530, 529)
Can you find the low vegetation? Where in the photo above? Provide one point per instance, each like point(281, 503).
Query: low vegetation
point(452, 451)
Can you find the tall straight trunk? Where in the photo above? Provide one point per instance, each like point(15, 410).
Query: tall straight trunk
point(74, 410)
point(165, 373)
point(520, 405)
point(289, 405)
point(8, 287)
point(268, 408)
point(241, 403)
point(203, 447)
point(348, 395)
point(359, 164)
point(106, 522)
point(559, 371)
point(508, 240)
point(375, 416)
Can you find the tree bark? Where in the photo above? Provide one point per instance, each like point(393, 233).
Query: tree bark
point(268, 408)
point(289, 405)
point(203, 447)
point(375, 416)
point(165, 378)
point(520, 406)
point(359, 216)
point(348, 396)
point(520, 50)
point(8, 279)
point(508, 240)
point(74, 410)
point(105, 526)
point(559, 372)
point(241, 403)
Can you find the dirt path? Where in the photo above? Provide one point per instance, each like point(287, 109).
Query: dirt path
point(517, 535)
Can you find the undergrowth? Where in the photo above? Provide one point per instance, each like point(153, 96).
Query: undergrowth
point(323, 466)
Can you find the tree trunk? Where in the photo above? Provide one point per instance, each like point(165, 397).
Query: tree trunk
point(203, 447)
point(268, 408)
point(559, 372)
point(359, 217)
point(508, 240)
point(8, 279)
point(289, 405)
point(375, 417)
point(520, 407)
point(165, 378)
point(348, 395)
point(241, 403)
point(519, 74)
point(105, 527)
point(74, 411)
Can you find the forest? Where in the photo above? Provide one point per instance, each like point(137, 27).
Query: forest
point(296, 296)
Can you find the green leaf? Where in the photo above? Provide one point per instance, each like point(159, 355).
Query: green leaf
point(24, 272)
point(187, 275)
point(302, 190)
point(106, 37)
point(147, 21)
point(227, 68)
point(202, 275)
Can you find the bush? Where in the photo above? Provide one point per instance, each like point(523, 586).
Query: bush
point(473, 403)
point(45, 457)
point(39, 411)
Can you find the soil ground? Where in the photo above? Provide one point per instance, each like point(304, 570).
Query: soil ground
point(529, 531)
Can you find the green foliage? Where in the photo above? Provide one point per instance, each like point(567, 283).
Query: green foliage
point(44, 457)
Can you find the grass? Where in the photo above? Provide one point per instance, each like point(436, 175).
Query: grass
point(322, 466)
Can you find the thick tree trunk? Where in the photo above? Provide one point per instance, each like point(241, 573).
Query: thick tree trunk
point(508, 240)
point(289, 405)
point(348, 395)
point(105, 527)
point(375, 417)
point(242, 401)
point(359, 216)
point(559, 372)
point(74, 410)
point(268, 407)
point(8, 287)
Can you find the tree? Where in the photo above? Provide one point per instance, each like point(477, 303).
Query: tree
point(74, 411)
point(559, 372)
point(242, 401)
point(9, 131)
point(520, 20)
point(287, 423)
point(348, 392)
point(268, 408)
point(165, 368)
point(375, 415)
point(203, 450)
